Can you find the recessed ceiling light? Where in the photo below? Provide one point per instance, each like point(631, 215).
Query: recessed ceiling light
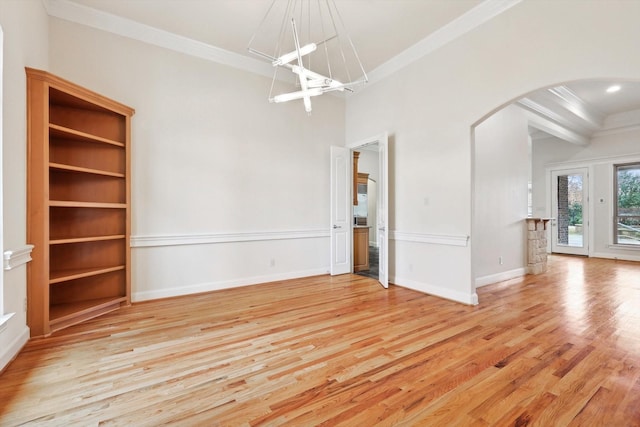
point(612, 89)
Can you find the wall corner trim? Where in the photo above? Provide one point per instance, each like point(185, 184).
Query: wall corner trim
point(16, 257)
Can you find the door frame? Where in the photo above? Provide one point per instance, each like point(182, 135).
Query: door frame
point(383, 202)
point(587, 242)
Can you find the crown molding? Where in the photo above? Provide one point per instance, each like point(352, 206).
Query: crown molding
point(466, 22)
point(84, 15)
point(544, 123)
point(544, 114)
point(567, 99)
point(80, 14)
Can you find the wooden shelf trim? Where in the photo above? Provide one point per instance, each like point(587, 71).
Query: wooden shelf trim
point(86, 239)
point(57, 130)
point(78, 91)
point(73, 204)
point(69, 168)
point(78, 203)
point(60, 313)
point(67, 275)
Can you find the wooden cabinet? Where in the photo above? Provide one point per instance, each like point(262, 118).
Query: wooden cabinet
point(78, 203)
point(360, 248)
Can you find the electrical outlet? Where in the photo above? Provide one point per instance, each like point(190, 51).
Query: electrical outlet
point(273, 262)
point(500, 260)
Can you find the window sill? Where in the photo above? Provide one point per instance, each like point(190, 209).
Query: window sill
point(625, 247)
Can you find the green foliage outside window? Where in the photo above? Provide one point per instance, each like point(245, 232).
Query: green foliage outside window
point(629, 190)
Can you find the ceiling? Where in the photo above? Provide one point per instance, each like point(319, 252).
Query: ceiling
point(579, 111)
point(380, 29)
point(384, 32)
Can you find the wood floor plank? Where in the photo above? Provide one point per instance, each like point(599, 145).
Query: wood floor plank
point(560, 348)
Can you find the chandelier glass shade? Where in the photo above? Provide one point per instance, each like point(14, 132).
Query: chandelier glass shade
point(309, 48)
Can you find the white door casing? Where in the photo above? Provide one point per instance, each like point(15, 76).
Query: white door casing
point(383, 212)
point(340, 210)
point(382, 142)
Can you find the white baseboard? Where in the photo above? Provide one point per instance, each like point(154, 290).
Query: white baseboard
point(469, 299)
point(225, 284)
point(500, 277)
point(8, 353)
point(622, 257)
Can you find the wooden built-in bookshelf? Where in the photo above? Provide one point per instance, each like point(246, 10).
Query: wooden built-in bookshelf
point(78, 213)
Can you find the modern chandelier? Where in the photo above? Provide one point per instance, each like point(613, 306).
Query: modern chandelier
point(306, 40)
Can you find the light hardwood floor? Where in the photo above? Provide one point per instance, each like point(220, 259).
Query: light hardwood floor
point(561, 348)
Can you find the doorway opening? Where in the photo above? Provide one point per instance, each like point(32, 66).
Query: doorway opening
point(343, 216)
point(365, 173)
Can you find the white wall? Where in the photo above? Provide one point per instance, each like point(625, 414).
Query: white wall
point(227, 189)
point(25, 44)
point(429, 107)
point(599, 156)
point(501, 175)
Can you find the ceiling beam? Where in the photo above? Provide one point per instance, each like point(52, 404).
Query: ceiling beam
point(567, 99)
point(544, 124)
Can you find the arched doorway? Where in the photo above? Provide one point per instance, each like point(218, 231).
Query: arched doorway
point(523, 148)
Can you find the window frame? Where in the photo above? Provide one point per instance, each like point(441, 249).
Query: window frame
point(616, 168)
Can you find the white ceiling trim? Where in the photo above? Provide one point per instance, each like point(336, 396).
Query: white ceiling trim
point(573, 103)
point(466, 22)
point(80, 14)
point(551, 115)
point(552, 128)
point(108, 22)
point(616, 131)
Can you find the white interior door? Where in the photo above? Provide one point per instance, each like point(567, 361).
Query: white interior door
point(383, 212)
point(570, 211)
point(340, 210)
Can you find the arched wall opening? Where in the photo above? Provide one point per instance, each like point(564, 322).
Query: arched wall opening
point(515, 149)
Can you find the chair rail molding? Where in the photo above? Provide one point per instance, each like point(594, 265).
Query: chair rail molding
point(16, 257)
point(212, 238)
point(436, 239)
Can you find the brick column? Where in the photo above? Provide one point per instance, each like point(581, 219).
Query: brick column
point(537, 245)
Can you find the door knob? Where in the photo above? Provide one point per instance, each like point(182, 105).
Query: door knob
point(336, 226)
